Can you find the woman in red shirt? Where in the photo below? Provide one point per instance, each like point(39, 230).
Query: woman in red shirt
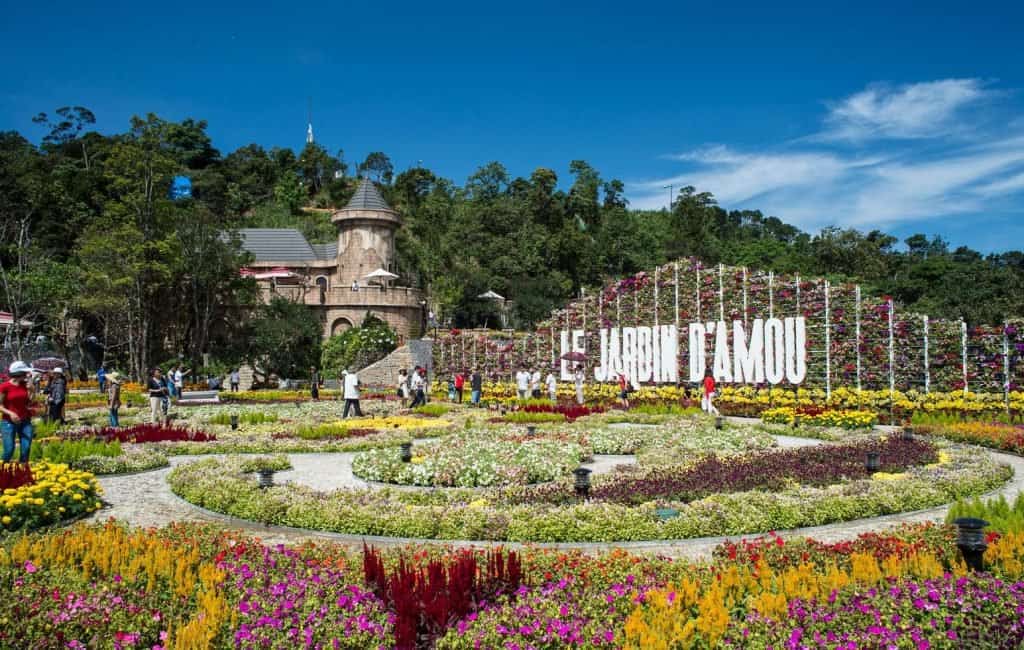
point(709, 393)
point(15, 397)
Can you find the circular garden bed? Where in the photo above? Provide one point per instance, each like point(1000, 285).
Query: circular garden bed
point(674, 493)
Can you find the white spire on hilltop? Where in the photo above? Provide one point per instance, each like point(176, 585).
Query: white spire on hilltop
point(309, 127)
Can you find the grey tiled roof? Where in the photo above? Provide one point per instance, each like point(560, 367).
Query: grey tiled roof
point(278, 245)
point(367, 197)
point(325, 251)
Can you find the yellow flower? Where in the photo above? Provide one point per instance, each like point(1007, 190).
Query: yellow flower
point(6, 520)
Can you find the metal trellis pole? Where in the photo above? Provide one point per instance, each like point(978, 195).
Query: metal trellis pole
point(828, 346)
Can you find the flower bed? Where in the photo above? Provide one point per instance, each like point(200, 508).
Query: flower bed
point(188, 586)
point(362, 426)
point(497, 514)
point(467, 460)
point(764, 470)
point(141, 433)
point(820, 417)
point(678, 442)
point(996, 435)
point(133, 459)
point(56, 492)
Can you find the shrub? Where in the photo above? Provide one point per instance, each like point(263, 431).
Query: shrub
point(71, 451)
point(253, 417)
point(432, 410)
point(1001, 515)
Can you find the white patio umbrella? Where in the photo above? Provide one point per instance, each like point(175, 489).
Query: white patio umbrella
point(381, 275)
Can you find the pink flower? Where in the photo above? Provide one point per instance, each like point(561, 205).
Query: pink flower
point(29, 567)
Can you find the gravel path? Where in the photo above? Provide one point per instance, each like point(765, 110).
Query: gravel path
point(145, 500)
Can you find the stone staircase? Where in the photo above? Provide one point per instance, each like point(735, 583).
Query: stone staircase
point(418, 352)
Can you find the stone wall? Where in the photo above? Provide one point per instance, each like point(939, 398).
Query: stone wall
point(417, 352)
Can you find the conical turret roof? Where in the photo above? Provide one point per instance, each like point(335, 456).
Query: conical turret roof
point(367, 197)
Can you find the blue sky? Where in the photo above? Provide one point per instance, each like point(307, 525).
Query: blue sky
point(859, 114)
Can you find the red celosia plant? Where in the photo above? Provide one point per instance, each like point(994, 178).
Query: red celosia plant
point(15, 475)
point(427, 599)
point(146, 433)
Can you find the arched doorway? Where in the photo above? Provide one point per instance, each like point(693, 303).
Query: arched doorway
point(340, 325)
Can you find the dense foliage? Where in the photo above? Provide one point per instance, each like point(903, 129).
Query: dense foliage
point(357, 347)
point(90, 233)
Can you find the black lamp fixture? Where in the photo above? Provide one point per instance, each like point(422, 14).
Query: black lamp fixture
point(266, 477)
point(234, 421)
point(531, 430)
point(719, 422)
point(908, 433)
point(582, 483)
point(873, 461)
point(970, 539)
point(406, 449)
point(796, 421)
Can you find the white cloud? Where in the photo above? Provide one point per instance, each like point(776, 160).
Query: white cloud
point(920, 110)
point(819, 181)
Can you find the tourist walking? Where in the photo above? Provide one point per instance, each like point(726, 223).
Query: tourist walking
point(101, 378)
point(418, 383)
point(460, 384)
point(523, 383)
point(15, 398)
point(351, 380)
point(535, 384)
point(58, 395)
point(403, 387)
point(552, 385)
point(579, 378)
point(451, 388)
point(476, 387)
point(235, 380)
point(314, 384)
point(708, 387)
point(157, 392)
point(114, 398)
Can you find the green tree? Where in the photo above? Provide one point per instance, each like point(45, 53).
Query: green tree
point(283, 339)
point(378, 167)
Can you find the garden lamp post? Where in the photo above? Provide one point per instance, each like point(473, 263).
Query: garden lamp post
point(406, 449)
point(582, 483)
point(908, 433)
point(970, 539)
point(234, 421)
point(873, 461)
point(719, 422)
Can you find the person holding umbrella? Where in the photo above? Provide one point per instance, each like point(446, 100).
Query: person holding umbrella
point(579, 378)
point(15, 397)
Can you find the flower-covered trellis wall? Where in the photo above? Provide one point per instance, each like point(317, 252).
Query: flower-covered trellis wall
point(853, 340)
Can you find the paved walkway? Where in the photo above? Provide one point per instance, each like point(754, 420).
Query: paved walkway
point(146, 500)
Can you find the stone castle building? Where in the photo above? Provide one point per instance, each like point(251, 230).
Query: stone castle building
point(340, 281)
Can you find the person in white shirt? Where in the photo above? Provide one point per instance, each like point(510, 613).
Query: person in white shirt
point(552, 385)
point(235, 379)
point(179, 381)
point(535, 384)
point(523, 383)
point(351, 381)
point(579, 377)
point(418, 384)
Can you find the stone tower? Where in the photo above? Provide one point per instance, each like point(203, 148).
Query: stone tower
point(366, 235)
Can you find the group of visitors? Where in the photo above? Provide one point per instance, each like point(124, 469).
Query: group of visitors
point(528, 384)
point(414, 386)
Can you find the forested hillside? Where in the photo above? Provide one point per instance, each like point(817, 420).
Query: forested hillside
point(89, 234)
